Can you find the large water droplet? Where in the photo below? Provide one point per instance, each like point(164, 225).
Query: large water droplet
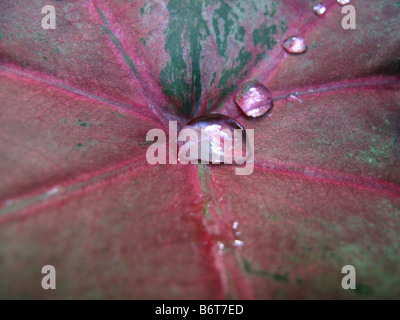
point(343, 2)
point(319, 9)
point(254, 99)
point(217, 138)
point(295, 45)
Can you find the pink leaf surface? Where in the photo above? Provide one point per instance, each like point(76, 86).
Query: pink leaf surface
point(77, 192)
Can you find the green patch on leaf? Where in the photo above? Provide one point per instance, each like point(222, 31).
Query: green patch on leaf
point(186, 30)
point(279, 277)
point(264, 36)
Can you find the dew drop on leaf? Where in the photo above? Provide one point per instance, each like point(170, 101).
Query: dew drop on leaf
point(254, 99)
point(221, 248)
point(293, 98)
point(238, 243)
point(343, 2)
point(223, 140)
point(319, 9)
point(295, 45)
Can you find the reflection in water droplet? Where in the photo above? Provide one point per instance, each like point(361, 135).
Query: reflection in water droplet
point(254, 99)
point(238, 243)
point(319, 9)
point(295, 45)
point(343, 2)
point(235, 225)
point(293, 98)
point(220, 139)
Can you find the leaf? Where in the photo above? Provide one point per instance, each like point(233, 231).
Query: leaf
point(76, 191)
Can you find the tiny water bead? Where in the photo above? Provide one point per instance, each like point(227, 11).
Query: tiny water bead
point(235, 229)
point(254, 99)
point(221, 248)
point(220, 139)
point(319, 9)
point(295, 45)
point(293, 98)
point(238, 243)
point(343, 2)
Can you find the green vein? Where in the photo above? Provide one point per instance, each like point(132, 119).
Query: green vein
point(214, 197)
point(205, 191)
point(116, 41)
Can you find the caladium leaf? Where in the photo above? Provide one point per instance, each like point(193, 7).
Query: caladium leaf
point(77, 192)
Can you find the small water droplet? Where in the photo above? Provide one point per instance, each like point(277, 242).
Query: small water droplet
point(235, 225)
point(343, 2)
point(52, 191)
point(8, 203)
point(254, 99)
point(319, 9)
point(238, 243)
point(217, 133)
point(295, 45)
point(221, 247)
point(293, 98)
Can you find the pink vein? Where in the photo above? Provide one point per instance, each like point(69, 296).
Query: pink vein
point(379, 82)
point(355, 181)
point(144, 71)
point(115, 104)
point(42, 196)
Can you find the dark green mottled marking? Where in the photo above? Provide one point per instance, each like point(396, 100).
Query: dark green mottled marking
point(241, 61)
point(185, 25)
point(275, 276)
point(259, 58)
point(272, 10)
point(82, 123)
point(106, 29)
point(209, 106)
point(284, 26)
point(228, 27)
point(264, 36)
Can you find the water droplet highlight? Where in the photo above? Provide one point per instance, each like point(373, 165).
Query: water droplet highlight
point(343, 2)
point(319, 9)
point(235, 225)
point(295, 45)
point(52, 191)
point(254, 99)
point(221, 247)
point(238, 243)
point(293, 98)
point(219, 139)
